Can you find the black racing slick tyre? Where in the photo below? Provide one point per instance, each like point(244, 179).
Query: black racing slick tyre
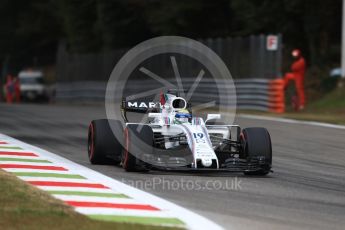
point(103, 146)
point(138, 142)
point(257, 149)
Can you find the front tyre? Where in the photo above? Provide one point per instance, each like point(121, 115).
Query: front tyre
point(257, 149)
point(103, 146)
point(138, 142)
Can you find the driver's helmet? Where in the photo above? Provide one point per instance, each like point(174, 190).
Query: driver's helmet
point(183, 116)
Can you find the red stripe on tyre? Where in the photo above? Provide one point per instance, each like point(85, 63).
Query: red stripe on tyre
point(126, 149)
point(92, 149)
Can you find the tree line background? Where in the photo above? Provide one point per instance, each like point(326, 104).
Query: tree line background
point(31, 30)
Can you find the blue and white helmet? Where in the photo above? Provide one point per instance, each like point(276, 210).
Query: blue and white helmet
point(183, 116)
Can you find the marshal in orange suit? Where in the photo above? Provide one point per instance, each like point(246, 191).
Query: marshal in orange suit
point(298, 68)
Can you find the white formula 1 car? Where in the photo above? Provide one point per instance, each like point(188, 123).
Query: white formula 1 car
point(174, 139)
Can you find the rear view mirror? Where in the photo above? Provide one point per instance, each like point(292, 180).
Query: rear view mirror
point(213, 116)
point(155, 115)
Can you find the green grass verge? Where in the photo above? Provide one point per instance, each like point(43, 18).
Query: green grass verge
point(143, 220)
point(55, 175)
point(10, 147)
point(25, 207)
point(23, 160)
point(98, 194)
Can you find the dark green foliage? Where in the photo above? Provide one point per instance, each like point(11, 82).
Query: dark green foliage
point(34, 28)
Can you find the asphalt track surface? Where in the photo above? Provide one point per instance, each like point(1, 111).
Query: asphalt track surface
point(306, 190)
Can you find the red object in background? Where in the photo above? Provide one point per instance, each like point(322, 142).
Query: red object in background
point(298, 68)
point(17, 92)
point(162, 99)
point(276, 96)
point(9, 89)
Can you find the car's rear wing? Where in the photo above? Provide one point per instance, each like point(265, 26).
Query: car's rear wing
point(138, 106)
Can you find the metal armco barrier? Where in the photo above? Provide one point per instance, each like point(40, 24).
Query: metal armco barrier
point(252, 94)
point(260, 94)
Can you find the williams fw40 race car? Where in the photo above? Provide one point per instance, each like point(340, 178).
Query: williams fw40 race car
point(174, 139)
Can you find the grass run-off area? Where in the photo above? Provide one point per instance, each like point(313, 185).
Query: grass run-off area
point(330, 109)
point(23, 206)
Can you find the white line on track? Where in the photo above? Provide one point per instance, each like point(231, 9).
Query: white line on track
point(78, 189)
point(124, 212)
point(100, 199)
point(291, 121)
point(53, 179)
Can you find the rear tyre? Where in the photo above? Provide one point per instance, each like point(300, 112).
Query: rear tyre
point(138, 140)
point(257, 149)
point(103, 147)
